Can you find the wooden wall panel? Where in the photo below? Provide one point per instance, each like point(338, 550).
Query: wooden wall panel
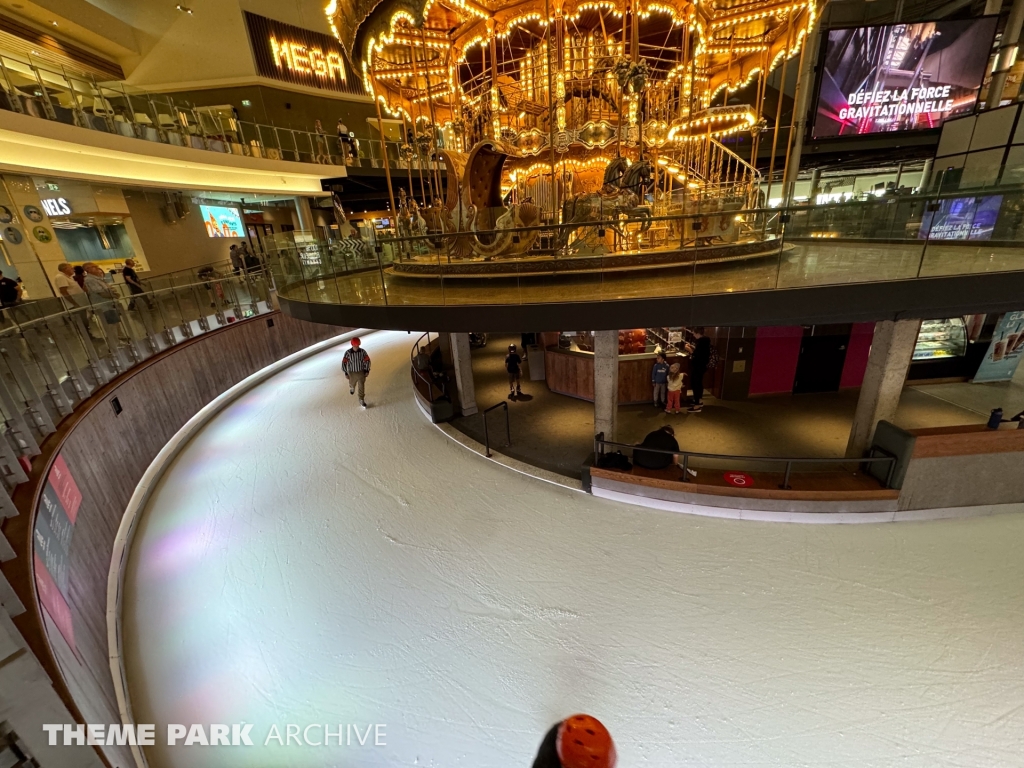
point(572, 373)
point(107, 455)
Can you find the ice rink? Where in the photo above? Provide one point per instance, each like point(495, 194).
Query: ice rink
point(304, 562)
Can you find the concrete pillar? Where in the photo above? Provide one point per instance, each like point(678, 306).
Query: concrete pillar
point(305, 214)
point(926, 176)
point(891, 351)
point(606, 382)
point(463, 363)
point(812, 196)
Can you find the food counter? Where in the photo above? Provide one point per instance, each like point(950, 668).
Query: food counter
point(569, 368)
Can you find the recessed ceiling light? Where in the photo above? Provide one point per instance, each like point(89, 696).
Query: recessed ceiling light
point(54, 23)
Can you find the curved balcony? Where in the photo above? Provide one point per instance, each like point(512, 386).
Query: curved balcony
point(66, 122)
point(895, 256)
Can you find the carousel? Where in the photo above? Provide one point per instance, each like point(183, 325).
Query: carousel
point(573, 134)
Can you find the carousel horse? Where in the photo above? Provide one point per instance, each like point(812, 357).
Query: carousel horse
point(619, 196)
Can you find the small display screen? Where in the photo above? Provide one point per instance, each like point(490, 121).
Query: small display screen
point(962, 218)
point(222, 221)
point(901, 77)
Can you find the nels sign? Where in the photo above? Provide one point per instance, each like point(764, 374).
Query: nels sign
point(295, 55)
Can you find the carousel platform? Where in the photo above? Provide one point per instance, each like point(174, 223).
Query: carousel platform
point(541, 265)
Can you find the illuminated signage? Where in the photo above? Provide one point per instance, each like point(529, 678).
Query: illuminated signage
point(305, 60)
point(295, 55)
point(56, 206)
point(901, 77)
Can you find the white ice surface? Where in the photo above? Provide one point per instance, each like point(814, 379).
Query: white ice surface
point(304, 562)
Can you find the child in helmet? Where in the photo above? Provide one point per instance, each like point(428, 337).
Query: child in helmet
point(514, 366)
point(580, 741)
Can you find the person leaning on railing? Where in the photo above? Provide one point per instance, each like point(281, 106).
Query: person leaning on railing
point(68, 288)
point(104, 300)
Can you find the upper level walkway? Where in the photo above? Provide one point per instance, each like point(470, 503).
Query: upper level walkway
point(54, 120)
point(891, 256)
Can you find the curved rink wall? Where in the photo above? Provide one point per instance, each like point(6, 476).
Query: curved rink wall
point(383, 573)
point(106, 455)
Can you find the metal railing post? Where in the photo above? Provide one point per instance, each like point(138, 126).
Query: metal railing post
point(508, 429)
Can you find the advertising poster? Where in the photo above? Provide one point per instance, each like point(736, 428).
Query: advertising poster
point(1005, 351)
point(52, 535)
point(901, 77)
point(222, 221)
point(962, 218)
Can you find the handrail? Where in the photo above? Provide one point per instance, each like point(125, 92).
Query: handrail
point(600, 443)
point(104, 302)
point(121, 109)
point(417, 373)
point(487, 437)
point(791, 211)
point(51, 363)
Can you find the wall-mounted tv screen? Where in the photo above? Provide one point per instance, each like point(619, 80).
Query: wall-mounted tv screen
point(962, 218)
point(222, 221)
point(901, 77)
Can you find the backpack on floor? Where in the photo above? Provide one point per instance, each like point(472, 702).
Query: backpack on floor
point(615, 460)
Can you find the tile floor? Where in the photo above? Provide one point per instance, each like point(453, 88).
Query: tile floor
point(556, 432)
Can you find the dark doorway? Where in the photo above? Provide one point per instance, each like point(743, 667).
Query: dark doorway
point(820, 365)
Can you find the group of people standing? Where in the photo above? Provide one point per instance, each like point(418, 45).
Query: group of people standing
point(243, 259)
point(348, 145)
point(669, 382)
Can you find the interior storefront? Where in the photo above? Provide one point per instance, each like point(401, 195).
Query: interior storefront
point(91, 223)
point(755, 361)
point(568, 356)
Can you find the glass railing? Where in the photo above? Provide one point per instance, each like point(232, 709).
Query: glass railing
point(56, 93)
point(720, 250)
point(54, 353)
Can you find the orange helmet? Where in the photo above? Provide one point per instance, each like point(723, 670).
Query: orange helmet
point(356, 342)
point(583, 742)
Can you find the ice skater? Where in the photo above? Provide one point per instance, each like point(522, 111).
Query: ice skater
point(514, 366)
point(356, 367)
point(580, 741)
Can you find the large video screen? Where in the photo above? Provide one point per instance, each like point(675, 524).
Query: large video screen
point(222, 221)
point(962, 218)
point(901, 77)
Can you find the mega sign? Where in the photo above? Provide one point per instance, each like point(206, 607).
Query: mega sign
point(295, 55)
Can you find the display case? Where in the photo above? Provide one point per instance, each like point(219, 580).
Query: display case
point(941, 339)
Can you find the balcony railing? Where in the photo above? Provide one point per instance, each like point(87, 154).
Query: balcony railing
point(51, 93)
point(54, 353)
point(721, 251)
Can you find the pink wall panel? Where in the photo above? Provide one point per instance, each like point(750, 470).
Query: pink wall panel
point(857, 355)
point(775, 356)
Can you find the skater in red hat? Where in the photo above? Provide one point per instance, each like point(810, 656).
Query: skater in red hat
point(356, 367)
